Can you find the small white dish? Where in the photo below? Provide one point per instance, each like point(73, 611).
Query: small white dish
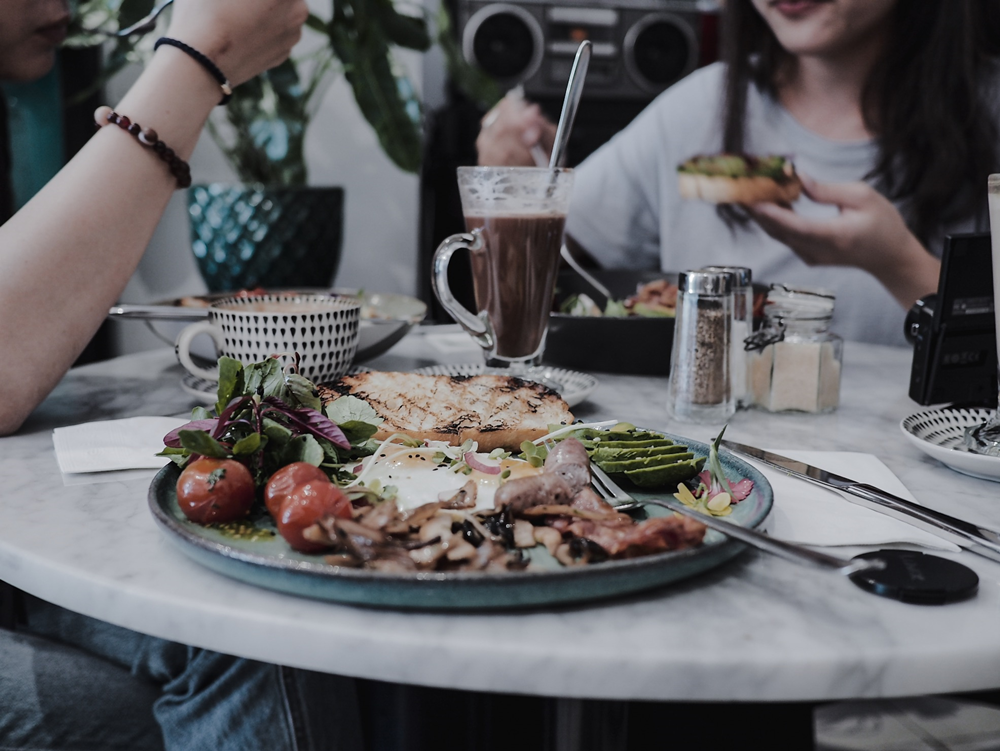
point(202, 389)
point(572, 385)
point(938, 433)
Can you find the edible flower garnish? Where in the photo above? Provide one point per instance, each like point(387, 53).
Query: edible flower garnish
point(715, 494)
point(717, 505)
point(714, 478)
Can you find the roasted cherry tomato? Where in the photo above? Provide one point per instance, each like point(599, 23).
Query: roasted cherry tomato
point(285, 480)
point(306, 505)
point(215, 490)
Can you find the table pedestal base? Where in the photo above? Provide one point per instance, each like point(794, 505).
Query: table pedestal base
point(412, 718)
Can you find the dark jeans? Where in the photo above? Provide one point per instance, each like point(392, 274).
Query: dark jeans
point(71, 682)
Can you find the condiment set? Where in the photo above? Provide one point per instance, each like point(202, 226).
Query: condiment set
point(718, 363)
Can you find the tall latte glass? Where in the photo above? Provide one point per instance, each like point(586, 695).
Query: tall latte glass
point(515, 218)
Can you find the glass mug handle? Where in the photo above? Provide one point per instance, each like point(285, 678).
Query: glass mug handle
point(478, 326)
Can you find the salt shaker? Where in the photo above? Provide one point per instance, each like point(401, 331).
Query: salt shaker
point(700, 382)
point(742, 328)
point(795, 360)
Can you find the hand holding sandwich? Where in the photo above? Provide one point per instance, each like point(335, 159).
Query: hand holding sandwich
point(869, 233)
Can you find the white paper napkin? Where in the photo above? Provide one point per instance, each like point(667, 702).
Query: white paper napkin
point(812, 515)
point(130, 443)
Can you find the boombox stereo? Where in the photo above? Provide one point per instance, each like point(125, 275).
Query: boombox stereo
point(640, 47)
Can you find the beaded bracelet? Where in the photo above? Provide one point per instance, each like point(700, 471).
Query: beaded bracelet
point(204, 60)
point(147, 137)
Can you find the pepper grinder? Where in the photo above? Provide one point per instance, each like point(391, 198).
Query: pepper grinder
point(742, 328)
point(700, 362)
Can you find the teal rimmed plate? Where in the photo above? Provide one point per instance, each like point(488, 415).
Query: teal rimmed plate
point(272, 564)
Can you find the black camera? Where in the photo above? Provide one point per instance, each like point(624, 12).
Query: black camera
point(953, 332)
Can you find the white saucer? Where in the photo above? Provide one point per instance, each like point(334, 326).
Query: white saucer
point(203, 390)
point(573, 386)
point(938, 433)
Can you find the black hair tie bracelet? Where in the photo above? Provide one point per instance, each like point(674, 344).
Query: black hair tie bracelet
point(206, 63)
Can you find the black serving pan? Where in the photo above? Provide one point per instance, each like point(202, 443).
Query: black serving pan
point(635, 345)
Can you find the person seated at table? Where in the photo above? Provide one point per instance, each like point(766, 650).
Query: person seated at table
point(64, 258)
point(888, 109)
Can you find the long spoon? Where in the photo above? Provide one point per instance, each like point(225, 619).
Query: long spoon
point(574, 90)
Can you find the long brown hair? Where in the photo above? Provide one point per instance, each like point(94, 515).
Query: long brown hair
point(926, 99)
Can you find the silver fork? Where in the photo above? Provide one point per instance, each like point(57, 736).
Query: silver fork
point(613, 493)
point(142, 26)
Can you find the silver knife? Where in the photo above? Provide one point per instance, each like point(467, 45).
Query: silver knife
point(972, 537)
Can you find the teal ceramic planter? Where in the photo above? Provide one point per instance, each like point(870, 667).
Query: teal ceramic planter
point(246, 236)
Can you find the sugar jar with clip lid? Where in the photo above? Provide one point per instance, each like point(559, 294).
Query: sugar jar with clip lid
point(794, 360)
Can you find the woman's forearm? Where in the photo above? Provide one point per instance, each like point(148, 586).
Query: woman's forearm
point(914, 275)
point(66, 256)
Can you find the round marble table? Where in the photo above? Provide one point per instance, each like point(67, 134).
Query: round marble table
point(756, 629)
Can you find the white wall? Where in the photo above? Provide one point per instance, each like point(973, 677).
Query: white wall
point(381, 205)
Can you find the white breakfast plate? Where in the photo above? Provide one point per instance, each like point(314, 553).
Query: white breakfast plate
point(938, 433)
point(572, 385)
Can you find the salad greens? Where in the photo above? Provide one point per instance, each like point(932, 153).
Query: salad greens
point(267, 417)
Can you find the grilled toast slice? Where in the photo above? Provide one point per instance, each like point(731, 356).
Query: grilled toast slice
point(495, 411)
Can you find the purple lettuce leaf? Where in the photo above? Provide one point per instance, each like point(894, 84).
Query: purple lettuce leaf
point(173, 438)
point(310, 421)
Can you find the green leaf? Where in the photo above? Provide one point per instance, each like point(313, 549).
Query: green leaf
point(358, 432)
point(387, 101)
point(200, 413)
point(249, 444)
point(303, 448)
point(401, 30)
point(351, 409)
point(200, 442)
point(266, 378)
point(230, 382)
point(276, 432)
point(715, 470)
point(268, 116)
point(303, 392)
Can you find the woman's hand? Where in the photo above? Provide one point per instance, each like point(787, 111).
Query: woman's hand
point(515, 134)
point(242, 37)
point(869, 233)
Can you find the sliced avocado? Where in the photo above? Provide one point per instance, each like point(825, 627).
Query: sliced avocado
point(665, 476)
point(651, 443)
point(604, 454)
point(645, 461)
point(603, 437)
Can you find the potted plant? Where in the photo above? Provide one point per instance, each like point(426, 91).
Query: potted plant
point(274, 228)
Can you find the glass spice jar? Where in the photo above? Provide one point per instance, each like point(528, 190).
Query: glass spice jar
point(700, 379)
point(742, 328)
point(794, 360)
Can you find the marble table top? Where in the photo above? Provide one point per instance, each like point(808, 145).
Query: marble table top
point(758, 628)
